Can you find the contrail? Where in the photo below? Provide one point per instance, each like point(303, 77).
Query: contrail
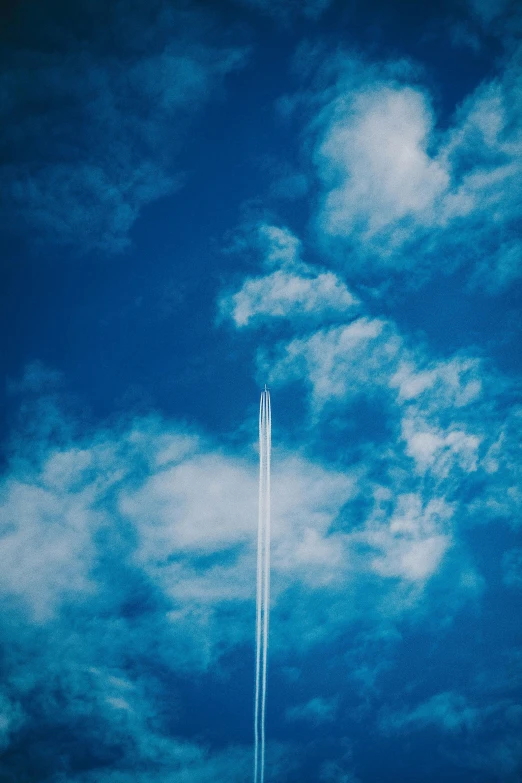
point(263, 584)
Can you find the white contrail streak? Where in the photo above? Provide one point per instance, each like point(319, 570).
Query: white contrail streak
point(263, 584)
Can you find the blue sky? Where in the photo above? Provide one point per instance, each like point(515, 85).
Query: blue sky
point(197, 198)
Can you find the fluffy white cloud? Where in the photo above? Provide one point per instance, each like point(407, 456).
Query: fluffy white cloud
point(184, 514)
point(158, 527)
point(375, 164)
point(502, 464)
point(438, 450)
point(455, 382)
point(186, 506)
point(46, 547)
point(293, 290)
point(181, 512)
point(285, 295)
point(369, 356)
point(339, 361)
point(411, 544)
point(206, 506)
point(399, 193)
point(307, 500)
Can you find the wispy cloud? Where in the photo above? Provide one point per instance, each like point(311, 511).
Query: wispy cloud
point(449, 711)
point(315, 711)
point(487, 731)
point(512, 567)
point(487, 10)
point(100, 131)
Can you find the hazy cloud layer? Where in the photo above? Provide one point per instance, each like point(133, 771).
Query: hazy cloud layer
point(105, 125)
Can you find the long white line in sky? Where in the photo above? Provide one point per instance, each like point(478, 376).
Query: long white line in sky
point(263, 584)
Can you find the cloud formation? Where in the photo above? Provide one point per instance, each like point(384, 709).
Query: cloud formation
point(399, 193)
point(128, 545)
point(316, 711)
point(294, 290)
point(376, 162)
point(146, 534)
point(101, 138)
point(448, 711)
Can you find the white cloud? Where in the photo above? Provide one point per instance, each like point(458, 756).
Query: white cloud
point(369, 354)
point(203, 504)
point(338, 361)
point(293, 290)
point(46, 547)
point(307, 500)
point(184, 514)
point(455, 381)
point(284, 295)
point(502, 464)
point(207, 505)
point(181, 512)
point(439, 450)
point(280, 247)
point(375, 164)
point(157, 526)
point(412, 542)
point(437, 414)
point(431, 401)
point(398, 193)
point(189, 513)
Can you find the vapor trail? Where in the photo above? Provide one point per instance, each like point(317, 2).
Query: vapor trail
point(263, 584)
